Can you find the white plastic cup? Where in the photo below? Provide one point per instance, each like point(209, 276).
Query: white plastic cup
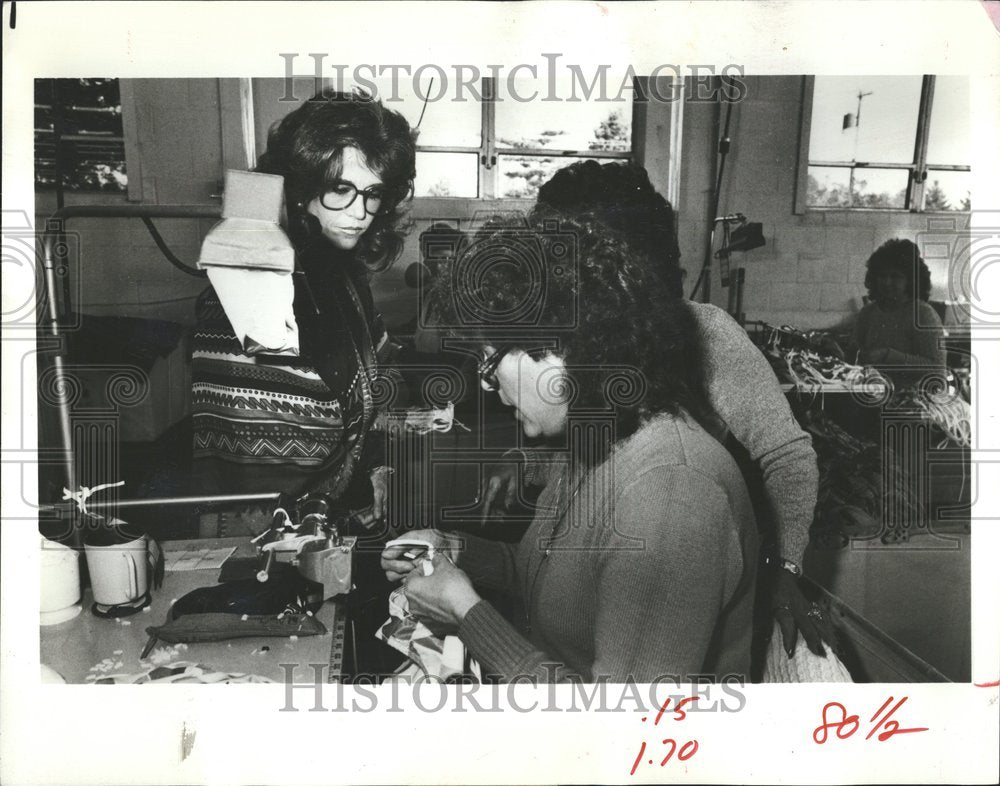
point(119, 572)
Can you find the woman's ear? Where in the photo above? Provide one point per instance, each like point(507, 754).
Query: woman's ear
point(555, 384)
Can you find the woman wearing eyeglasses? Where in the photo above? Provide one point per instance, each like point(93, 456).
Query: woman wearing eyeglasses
point(303, 424)
point(640, 561)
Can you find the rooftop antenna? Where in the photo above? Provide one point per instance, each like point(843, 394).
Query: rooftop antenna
point(854, 121)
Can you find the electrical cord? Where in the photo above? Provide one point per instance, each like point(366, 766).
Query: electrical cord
point(716, 196)
point(173, 260)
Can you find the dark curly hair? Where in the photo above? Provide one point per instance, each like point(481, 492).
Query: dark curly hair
point(575, 286)
point(901, 256)
point(624, 198)
point(306, 148)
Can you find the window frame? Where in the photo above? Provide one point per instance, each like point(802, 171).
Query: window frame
point(918, 169)
point(489, 153)
point(652, 121)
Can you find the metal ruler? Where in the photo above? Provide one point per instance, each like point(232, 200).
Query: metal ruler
point(336, 664)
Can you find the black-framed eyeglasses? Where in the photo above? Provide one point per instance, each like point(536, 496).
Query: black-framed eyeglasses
point(488, 370)
point(342, 194)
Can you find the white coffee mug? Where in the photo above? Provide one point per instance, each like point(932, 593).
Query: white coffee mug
point(119, 572)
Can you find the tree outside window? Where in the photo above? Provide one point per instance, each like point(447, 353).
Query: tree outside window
point(503, 148)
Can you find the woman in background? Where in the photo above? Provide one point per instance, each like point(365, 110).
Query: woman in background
point(899, 328)
point(303, 424)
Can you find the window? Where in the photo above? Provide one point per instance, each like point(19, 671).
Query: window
point(79, 142)
point(891, 142)
point(502, 148)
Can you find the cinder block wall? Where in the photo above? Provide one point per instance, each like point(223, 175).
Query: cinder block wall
point(811, 272)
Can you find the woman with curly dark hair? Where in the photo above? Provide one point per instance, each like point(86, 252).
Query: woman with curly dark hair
point(899, 327)
point(623, 196)
point(753, 416)
point(301, 424)
point(640, 561)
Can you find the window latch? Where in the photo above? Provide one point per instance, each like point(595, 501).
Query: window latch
point(492, 162)
point(920, 176)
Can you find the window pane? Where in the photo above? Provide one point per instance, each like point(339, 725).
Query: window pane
point(522, 176)
point(948, 191)
point(446, 122)
point(949, 141)
point(880, 187)
point(90, 146)
point(447, 175)
point(834, 187)
point(885, 129)
point(564, 125)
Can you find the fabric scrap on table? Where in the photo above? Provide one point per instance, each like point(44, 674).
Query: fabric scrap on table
point(182, 672)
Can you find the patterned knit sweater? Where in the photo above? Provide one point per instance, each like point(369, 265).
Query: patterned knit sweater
point(289, 426)
point(644, 568)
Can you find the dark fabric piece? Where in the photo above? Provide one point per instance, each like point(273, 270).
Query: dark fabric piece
point(114, 340)
point(285, 590)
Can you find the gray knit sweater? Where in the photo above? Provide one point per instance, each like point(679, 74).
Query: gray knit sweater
point(641, 568)
point(744, 392)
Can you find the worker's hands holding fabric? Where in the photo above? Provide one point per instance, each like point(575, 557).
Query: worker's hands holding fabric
point(445, 596)
point(396, 566)
point(794, 614)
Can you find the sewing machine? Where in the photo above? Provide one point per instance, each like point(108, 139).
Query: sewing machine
point(312, 539)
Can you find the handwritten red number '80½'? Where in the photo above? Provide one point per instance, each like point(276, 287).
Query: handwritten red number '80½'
point(845, 725)
point(687, 749)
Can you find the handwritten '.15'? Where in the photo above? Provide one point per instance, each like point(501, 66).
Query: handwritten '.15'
point(845, 725)
point(687, 749)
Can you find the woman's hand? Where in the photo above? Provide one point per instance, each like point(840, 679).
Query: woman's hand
point(443, 597)
point(795, 613)
point(396, 566)
point(499, 490)
point(380, 491)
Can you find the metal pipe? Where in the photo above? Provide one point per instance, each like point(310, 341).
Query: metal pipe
point(206, 500)
point(138, 211)
point(210, 499)
point(65, 428)
point(55, 227)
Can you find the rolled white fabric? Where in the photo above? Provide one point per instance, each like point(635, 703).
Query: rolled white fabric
point(250, 261)
point(258, 304)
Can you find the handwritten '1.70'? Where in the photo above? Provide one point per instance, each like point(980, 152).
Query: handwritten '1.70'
point(684, 750)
